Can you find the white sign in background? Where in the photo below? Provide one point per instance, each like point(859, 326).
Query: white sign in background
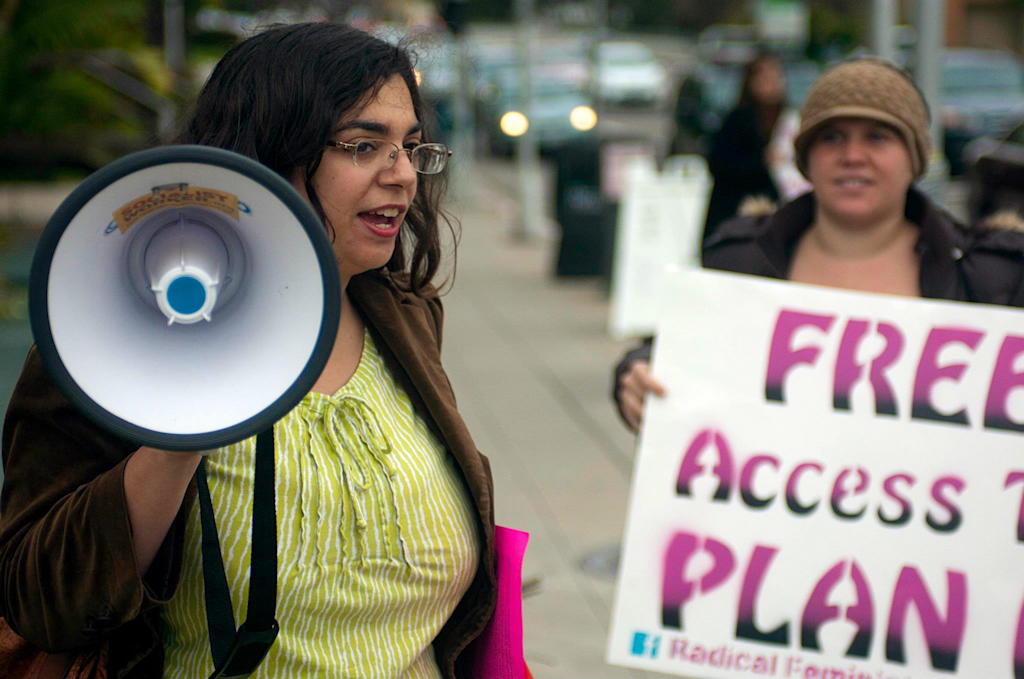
point(844, 544)
point(660, 222)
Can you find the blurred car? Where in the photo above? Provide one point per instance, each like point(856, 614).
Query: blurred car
point(488, 62)
point(727, 44)
point(982, 95)
point(566, 61)
point(562, 112)
point(628, 73)
point(995, 174)
point(494, 63)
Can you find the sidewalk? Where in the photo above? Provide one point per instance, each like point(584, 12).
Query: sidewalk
point(530, 361)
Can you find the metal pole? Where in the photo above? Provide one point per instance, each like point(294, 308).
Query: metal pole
point(174, 36)
point(174, 58)
point(531, 205)
point(883, 34)
point(931, 21)
point(931, 18)
point(598, 34)
point(463, 118)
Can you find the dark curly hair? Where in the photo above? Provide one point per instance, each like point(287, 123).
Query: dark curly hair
point(276, 98)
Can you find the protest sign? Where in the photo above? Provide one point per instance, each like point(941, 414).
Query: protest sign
point(832, 489)
point(659, 226)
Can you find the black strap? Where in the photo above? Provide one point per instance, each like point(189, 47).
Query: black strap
point(237, 653)
point(220, 618)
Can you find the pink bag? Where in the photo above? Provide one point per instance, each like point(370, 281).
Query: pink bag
point(498, 651)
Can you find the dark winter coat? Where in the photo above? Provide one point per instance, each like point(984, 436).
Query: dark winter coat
point(736, 161)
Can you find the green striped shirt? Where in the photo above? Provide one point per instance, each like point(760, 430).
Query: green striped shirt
point(376, 539)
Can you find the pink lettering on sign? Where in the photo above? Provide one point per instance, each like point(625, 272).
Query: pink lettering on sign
point(753, 581)
point(676, 589)
point(690, 466)
point(819, 611)
point(1005, 381)
point(747, 480)
point(848, 371)
point(929, 372)
point(841, 491)
point(1018, 649)
point(943, 487)
point(942, 625)
point(1014, 478)
point(849, 367)
point(891, 489)
point(793, 484)
point(851, 491)
point(783, 357)
point(943, 632)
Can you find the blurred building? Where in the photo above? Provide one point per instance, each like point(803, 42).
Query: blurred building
point(985, 23)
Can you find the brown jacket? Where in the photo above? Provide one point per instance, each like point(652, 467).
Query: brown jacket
point(68, 575)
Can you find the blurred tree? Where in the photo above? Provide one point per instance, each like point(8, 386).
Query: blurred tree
point(837, 26)
point(695, 15)
point(58, 59)
point(250, 6)
point(489, 10)
point(679, 15)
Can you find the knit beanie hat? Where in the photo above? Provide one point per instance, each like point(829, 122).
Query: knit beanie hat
point(866, 88)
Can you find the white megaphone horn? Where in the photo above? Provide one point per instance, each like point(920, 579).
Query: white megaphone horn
point(184, 297)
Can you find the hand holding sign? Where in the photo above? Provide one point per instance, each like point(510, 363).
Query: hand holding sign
point(634, 386)
point(831, 488)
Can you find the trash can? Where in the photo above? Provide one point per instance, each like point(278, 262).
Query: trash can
point(580, 209)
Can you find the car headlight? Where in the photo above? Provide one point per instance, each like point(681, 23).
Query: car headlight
point(583, 118)
point(514, 123)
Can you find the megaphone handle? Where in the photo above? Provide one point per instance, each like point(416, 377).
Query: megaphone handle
point(238, 652)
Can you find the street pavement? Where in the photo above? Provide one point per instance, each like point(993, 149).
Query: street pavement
point(530, 361)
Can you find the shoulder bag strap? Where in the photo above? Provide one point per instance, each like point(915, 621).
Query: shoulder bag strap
point(237, 653)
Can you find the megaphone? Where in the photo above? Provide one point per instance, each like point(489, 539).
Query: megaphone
point(184, 297)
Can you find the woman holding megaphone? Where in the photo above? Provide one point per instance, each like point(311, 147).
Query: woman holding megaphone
point(384, 505)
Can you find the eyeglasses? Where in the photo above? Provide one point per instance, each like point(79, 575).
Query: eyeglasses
point(379, 154)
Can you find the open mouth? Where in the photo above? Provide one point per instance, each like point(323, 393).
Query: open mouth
point(384, 220)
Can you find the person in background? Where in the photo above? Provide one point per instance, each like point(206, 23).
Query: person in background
point(385, 512)
point(688, 133)
point(739, 154)
point(863, 141)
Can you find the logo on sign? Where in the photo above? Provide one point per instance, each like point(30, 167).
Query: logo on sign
point(645, 645)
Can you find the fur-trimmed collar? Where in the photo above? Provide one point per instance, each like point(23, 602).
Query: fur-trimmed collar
point(1005, 220)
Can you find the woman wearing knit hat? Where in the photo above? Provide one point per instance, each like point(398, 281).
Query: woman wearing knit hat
point(863, 141)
